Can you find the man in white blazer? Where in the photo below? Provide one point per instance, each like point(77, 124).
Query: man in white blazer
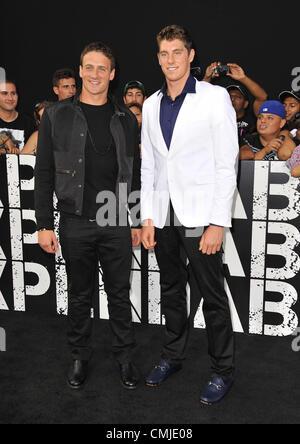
point(189, 165)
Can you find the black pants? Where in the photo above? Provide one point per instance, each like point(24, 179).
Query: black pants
point(84, 244)
point(209, 275)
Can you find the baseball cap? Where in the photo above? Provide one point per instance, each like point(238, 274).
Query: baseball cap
point(134, 84)
point(242, 90)
point(273, 107)
point(284, 94)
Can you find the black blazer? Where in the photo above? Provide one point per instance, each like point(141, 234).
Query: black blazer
point(60, 164)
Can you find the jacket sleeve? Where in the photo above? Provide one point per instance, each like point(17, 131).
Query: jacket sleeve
point(44, 176)
point(147, 170)
point(136, 180)
point(226, 151)
point(136, 176)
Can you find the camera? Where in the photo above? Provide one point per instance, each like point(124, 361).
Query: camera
point(222, 70)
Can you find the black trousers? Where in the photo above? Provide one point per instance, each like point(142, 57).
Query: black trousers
point(84, 244)
point(209, 275)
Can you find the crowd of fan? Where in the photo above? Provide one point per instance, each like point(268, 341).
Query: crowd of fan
point(267, 129)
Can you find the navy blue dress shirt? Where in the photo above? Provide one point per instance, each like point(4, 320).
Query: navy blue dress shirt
point(170, 109)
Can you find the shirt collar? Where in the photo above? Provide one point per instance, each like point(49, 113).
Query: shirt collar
point(190, 87)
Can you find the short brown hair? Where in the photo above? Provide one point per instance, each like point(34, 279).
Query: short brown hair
point(99, 47)
point(10, 82)
point(173, 32)
point(65, 73)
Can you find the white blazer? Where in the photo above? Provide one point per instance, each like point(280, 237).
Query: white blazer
point(199, 172)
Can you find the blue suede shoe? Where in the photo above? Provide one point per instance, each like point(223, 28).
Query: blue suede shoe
point(215, 390)
point(161, 372)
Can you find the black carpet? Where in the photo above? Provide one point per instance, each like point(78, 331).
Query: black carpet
point(33, 387)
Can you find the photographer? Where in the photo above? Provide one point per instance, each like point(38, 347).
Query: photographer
point(239, 93)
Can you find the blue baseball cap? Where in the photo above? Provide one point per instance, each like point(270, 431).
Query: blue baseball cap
point(273, 107)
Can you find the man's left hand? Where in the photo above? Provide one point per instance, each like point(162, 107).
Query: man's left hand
point(237, 72)
point(211, 241)
point(136, 236)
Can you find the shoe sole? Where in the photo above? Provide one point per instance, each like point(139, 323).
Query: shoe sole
point(72, 387)
point(160, 383)
point(217, 402)
point(207, 403)
point(128, 388)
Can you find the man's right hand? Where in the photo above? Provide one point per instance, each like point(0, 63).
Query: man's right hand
point(48, 241)
point(210, 72)
point(274, 145)
point(11, 148)
point(148, 235)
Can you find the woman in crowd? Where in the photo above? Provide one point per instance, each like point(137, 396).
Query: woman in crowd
point(293, 162)
point(31, 145)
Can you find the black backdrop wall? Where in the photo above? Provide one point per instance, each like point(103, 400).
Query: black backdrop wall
point(39, 37)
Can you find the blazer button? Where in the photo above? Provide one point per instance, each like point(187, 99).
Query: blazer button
point(79, 186)
point(80, 161)
point(81, 134)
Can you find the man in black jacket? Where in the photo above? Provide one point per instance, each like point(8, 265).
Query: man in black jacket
point(87, 145)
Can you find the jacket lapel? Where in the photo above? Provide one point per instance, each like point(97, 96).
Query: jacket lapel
point(161, 141)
